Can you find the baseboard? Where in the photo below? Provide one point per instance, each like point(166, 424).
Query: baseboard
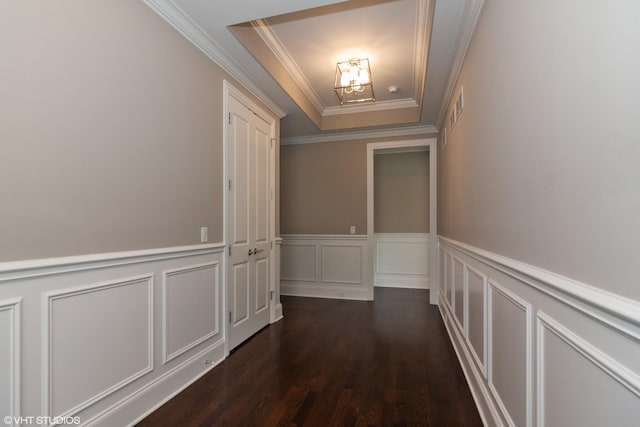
point(525, 336)
point(144, 401)
point(301, 289)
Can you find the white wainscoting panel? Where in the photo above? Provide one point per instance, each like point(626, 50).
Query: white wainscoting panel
point(327, 266)
point(571, 372)
point(82, 327)
point(510, 350)
point(84, 335)
point(301, 262)
point(458, 292)
point(342, 263)
point(584, 341)
point(191, 308)
point(402, 260)
point(10, 358)
point(476, 317)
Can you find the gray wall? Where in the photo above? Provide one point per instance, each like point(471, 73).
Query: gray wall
point(110, 131)
point(401, 192)
point(543, 164)
point(323, 186)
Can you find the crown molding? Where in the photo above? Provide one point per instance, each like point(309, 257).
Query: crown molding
point(367, 107)
point(179, 20)
point(366, 134)
point(276, 46)
point(468, 27)
point(421, 51)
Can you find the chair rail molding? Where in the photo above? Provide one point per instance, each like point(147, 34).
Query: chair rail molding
point(517, 318)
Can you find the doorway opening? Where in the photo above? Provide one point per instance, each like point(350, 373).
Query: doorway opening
point(416, 249)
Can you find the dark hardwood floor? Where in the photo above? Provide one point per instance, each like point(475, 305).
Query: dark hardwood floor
point(335, 363)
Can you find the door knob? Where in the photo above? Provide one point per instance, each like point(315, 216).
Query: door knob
point(255, 250)
point(250, 252)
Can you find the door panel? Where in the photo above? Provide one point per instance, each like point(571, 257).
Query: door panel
point(262, 285)
point(248, 162)
point(241, 292)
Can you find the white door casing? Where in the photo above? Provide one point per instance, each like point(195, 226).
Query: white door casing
point(249, 163)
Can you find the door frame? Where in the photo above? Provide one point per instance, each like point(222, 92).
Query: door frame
point(229, 90)
point(431, 144)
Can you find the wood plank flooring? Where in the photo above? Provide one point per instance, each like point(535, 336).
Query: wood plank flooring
point(335, 363)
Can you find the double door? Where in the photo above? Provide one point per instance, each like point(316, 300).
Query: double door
point(249, 146)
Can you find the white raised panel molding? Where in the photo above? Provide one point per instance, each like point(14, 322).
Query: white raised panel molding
point(277, 306)
point(327, 266)
point(476, 316)
point(566, 359)
point(510, 354)
point(80, 335)
point(190, 308)
point(81, 328)
point(299, 262)
point(458, 292)
point(402, 260)
point(10, 358)
point(586, 377)
point(341, 263)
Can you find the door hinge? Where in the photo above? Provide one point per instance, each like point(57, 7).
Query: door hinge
point(229, 185)
point(272, 141)
point(271, 194)
point(271, 295)
point(229, 250)
point(229, 118)
point(229, 317)
point(271, 245)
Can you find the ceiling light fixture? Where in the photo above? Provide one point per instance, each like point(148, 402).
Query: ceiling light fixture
point(353, 81)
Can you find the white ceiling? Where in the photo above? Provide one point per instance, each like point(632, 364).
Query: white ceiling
point(310, 42)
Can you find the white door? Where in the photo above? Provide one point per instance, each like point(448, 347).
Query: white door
point(248, 160)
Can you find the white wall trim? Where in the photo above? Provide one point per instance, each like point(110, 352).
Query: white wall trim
point(617, 371)
point(526, 308)
point(486, 406)
point(390, 252)
point(46, 335)
point(193, 361)
point(366, 134)
point(482, 365)
point(273, 42)
point(292, 237)
point(470, 19)
point(431, 143)
point(166, 357)
point(320, 269)
point(29, 269)
point(12, 305)
point(367, 107)
point(179, 20)
point(556, 286)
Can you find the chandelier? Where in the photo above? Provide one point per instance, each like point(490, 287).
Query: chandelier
point(353, 81)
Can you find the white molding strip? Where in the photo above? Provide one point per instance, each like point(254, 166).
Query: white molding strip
point(19, 270)
point(178, 19)
point(215, 265)
point(323, 237)
point(47, 341)
point(171, 382)
point(613, 304)
point(274, 43)
point(627, 378)
point(366, 134)
point(479, 392)
point(467, 29)
point(12, 305)
point(525, 306)
point(367, 107)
